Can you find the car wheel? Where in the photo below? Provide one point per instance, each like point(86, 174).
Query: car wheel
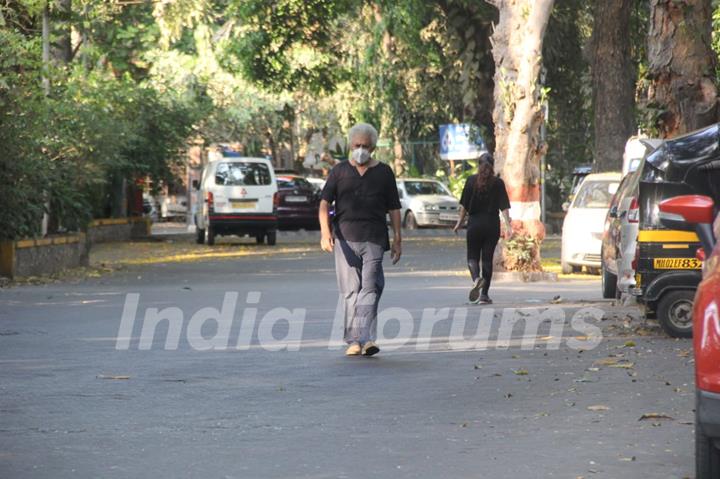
point(199, 235)
point(260, 238)
point(674, 312)
point(210, 235)
point(609, 283)
point(271, 237)
point(707, 456)
point(566, 268)
point(410, 221)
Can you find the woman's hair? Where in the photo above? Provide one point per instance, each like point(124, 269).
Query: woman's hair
point(486, 173)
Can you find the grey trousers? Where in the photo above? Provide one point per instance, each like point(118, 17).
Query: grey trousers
point(361, 281)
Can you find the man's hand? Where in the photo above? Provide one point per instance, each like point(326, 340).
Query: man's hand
point(327, 243)
point(395, 252)
point(456, 227)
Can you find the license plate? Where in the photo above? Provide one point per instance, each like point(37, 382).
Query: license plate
point(677, 263)
point(243, 204)
point(296, 199)
point(449, 216)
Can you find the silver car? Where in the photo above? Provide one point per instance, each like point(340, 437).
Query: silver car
point(426, 203)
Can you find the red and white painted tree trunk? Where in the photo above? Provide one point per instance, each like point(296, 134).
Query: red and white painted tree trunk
point(517, 49)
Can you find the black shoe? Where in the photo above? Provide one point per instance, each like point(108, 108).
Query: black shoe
point(485, 299)
point(475, 291)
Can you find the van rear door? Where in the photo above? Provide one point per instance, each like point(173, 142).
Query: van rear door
point(243, 186)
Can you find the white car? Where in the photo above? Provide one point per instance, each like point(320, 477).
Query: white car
point(237, 196)
point(426, 203)
point(584, 223)
point(173, 207)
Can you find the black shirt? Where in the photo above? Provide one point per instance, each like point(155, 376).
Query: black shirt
point(490, 201)
point(362, 202)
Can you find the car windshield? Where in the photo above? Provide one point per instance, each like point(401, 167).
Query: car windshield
point(293, 183)
point(242, 174)
point(595, 194)
point(414, 188)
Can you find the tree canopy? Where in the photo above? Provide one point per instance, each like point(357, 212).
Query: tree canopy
point(132, 83)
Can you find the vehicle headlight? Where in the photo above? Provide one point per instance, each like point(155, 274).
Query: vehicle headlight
point(431, 208)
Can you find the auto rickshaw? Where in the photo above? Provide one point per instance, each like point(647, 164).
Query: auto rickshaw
point(667, 262)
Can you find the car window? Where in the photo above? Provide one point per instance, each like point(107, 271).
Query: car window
point(242, 174)
point(294, 183)
point(414, 188)
point(595, 194)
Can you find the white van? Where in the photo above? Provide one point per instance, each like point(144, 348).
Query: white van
point(237, 196)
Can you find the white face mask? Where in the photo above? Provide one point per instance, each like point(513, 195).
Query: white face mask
point(360, 156)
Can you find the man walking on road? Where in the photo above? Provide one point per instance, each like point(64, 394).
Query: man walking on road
point(364, 191)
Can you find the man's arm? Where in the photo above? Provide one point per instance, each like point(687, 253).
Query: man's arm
point(326, 239)
point(396, 249)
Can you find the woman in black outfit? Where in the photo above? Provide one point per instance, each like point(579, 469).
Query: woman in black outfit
point(483, 198)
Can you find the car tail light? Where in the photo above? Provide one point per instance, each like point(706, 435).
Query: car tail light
point(276, 199)
point(634, 262)
point(700, 254)
point(633, 214)
point(210, 201)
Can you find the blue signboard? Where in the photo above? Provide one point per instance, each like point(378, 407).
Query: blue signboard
point(460, 142)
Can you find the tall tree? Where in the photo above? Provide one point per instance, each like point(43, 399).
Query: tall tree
point(681, 66)
point(613, 82)
point(518, 114)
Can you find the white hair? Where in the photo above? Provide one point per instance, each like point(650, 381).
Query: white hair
point(364, 129)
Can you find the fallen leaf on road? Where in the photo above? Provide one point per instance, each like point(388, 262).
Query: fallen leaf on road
point(623, 365)
point(103, 376)
point(556, 300)
point(520, 372)
point(629, 344)
point(584, 380)
point(478, 366)
point(655, 415)
point(598, 408)
point(605, 362)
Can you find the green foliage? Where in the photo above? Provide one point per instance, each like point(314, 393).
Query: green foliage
point(457, 183)
point(281, 42)
point(521, 253)
point(63, 150)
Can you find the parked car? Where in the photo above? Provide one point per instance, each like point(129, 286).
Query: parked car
point(426, 202)
point(622, 223)
point(667, 272)
point(318, 183)
point(298, 203)
point(695, 210)
point(237, 196)
point(173, 207)
point(579, 173)
point(583, 226)
point(636, 149)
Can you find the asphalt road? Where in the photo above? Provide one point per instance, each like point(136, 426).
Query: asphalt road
point(436, 402)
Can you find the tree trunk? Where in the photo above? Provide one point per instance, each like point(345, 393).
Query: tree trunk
point(62, 47)
point(613, 83)
point(517, 50)
point(681, 66)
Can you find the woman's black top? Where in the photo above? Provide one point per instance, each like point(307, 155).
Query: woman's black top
point(491, 201)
